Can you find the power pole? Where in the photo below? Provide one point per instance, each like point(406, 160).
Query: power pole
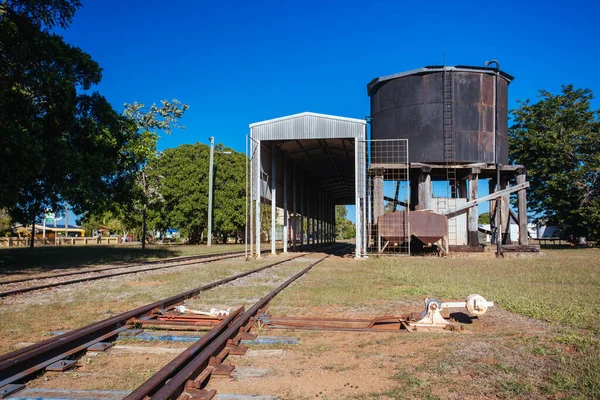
point(210, 190)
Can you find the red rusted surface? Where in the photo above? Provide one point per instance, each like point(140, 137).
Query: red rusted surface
point(427, 226)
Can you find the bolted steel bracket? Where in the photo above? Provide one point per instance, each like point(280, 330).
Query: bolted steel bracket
point(7, 390)
point(61, 365)
point(100, 346)
point(200, 394)
point(236, 349)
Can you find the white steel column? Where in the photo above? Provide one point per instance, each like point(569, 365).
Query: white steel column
point(301, 210)
point(285, 206)
point(308, 217)
point(357, 168)
point(319, 218)
point(258, 186)
point(273, 199)
point(295, 220)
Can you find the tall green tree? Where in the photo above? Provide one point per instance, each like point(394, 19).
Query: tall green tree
point(60, 141)
point(149, 121)
point(229, 193)
point(181, 178)
point(558, 140)
point(345, 229)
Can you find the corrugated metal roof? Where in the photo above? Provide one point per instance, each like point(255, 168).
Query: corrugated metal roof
point(308, 125)
point(377, 82)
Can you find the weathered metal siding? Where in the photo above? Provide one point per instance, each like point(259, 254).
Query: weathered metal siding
point(308, 126)
point(410, 106)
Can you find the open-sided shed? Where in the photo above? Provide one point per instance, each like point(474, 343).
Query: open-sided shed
point(305, 164)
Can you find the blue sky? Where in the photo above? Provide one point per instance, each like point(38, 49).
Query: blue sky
point(238, 62)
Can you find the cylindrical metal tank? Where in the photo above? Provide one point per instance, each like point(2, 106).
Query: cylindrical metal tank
point(410, 105)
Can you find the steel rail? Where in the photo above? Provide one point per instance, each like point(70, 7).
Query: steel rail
point(35, 357)
point(171, 384)
point(129, 265)
point(94, 278)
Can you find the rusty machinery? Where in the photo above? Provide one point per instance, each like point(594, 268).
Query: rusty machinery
point(428, 320)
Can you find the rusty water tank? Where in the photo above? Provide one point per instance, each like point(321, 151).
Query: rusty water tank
point(410, 105)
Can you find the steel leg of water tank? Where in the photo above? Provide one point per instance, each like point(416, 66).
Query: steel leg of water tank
point(461, 188)
point(505, 215)
point(425, 190)
point(473, 212)
point(492, 189)
point(522, 207)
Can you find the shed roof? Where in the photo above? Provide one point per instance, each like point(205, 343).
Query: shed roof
point(308, 125)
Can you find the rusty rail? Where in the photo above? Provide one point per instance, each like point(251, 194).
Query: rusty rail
point(215, 257)
point(194, 371)
point(130, 265)
point(21, 363)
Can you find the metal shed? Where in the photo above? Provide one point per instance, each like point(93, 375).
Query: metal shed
point(305, 164)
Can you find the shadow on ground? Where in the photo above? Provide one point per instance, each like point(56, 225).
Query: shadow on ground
point(41, 259)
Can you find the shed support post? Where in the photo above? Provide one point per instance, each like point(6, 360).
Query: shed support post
point(257, 199)
point(522, 204)
point(308, 219)
point(301, 210)
point(273, 199)
point(425, 189)
point(473, 212)
point(358, 168)
point(505, 227)
point(319, 210)
point(321, 217)
point(295, 220)
point(285, 206)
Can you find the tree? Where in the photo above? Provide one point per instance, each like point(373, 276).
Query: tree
point(558, 140)
point(148, 122)
point(484, 218)
point(229, 195)
point(181, 179)
point(60, 142)
point(345, 229)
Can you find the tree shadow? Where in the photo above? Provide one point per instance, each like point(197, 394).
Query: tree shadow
point(46, 259)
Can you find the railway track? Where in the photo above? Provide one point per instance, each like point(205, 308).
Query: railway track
point(24, 285)
point(188, 372)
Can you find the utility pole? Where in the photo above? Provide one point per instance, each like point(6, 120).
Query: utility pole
point(210, 189)
point(210, 186)
point(66, 221)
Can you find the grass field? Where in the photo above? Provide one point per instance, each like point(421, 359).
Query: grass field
point(510, 357)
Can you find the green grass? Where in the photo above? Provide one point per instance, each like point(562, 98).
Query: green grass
point(562, 287)
point(18, 260)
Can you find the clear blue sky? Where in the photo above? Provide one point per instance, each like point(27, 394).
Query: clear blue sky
point(238, 62)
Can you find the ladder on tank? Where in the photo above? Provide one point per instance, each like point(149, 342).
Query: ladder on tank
point(449, 148)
